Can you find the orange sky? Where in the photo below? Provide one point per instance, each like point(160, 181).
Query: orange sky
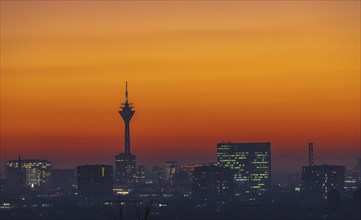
point(198, 73)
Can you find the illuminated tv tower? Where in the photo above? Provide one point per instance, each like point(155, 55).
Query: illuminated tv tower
point(125, 162)
point(127, 112)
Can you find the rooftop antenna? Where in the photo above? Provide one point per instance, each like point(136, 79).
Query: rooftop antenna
point(310, 154)
point(126, 92)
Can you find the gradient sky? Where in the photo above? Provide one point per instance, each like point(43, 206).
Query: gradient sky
point(199, 72)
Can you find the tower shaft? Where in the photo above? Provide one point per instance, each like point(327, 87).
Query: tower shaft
point(127, 139)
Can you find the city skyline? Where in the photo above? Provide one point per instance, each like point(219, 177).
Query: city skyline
point(244, 109)
point(126, 148)
point(217, 72)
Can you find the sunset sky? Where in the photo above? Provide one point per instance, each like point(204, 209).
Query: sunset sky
point(198, 72)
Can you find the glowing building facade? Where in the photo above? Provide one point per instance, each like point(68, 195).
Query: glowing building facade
point(28, 173)
point(251, 163)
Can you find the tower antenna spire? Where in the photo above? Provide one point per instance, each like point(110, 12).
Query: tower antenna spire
point(126, 91)
point(310, 154)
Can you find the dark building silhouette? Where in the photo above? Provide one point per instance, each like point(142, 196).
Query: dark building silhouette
point(212, 186)
point(251, 163)
point(95, 184)
point(359, 169)
point(158, 175)
point(63, 178)
point(16, 176)
point(319, 180)
point(184, 175)
point(3, 187)
point(125, 166)
point(140, 174)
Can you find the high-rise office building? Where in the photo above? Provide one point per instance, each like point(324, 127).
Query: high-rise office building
point(125, 166)
point(212, 186)
point(95, 184)
point(251, 163)
point(318, 180)
point(28, 173)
